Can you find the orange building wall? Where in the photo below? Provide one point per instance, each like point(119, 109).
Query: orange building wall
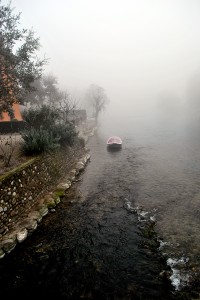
point(17, 114)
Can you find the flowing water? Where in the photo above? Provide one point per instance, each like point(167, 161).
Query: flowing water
point(168, 185)
point(128, 229)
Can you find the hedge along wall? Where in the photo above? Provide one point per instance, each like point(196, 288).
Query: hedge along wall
point(22, 187)
point(8, 127)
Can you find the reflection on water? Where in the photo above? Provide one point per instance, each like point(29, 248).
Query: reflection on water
point(114, 149)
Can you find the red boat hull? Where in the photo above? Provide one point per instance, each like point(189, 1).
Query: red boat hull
point(114, 142)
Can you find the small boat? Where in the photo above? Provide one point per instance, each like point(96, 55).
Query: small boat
point(114, 142)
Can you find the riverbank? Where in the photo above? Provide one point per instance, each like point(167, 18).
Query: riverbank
point(28, 221)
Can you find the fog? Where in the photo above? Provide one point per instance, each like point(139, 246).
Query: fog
point(143, 53)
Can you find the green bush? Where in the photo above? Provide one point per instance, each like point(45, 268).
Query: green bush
point(45, 130)
point(37, 141)
point(66, 134)
point(41, 117)
point(80, 141)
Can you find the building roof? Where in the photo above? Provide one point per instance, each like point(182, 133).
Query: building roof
point(17, 114)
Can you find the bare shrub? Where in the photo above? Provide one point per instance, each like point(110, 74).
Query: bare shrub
point(7, 149)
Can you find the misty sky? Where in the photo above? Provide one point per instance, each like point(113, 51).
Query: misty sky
point(134, 49)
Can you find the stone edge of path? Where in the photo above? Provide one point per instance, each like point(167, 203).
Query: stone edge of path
point(29, 222)
point(24, 228)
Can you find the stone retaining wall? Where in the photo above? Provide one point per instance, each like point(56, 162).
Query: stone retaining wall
point(28, 192)
point(20, 188)
point(33, 190)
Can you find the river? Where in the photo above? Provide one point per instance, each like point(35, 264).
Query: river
point(128, 228)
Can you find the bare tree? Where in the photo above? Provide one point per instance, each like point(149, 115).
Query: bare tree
point(36, 97)
point(67, 106)
point(8, 145)
point(52, 91)
point(45, 91)
point(97, 99)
